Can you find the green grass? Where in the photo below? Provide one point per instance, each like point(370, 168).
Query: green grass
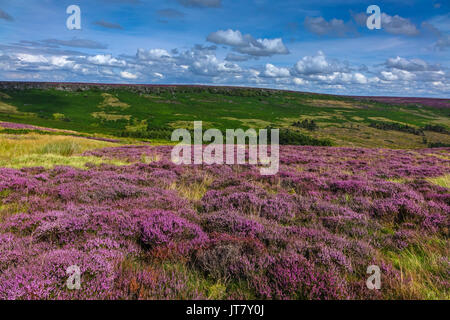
point(423, 269)
point(62, 148)
point(342, 120)
point(443, 181)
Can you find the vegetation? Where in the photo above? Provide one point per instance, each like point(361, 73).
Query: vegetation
point(153, 112)
point(306, 124)
point(396, 126)
point(37, 150)
point(81, 185)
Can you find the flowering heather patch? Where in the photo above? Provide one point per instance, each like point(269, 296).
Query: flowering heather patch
point(28, 127)
point(12, 125)
point(431, 102)
point(308, 232)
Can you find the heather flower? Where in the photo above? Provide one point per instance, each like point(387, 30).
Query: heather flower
point(308, 232)
point(163, 227)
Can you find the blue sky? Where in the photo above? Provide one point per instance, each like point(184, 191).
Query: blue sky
point(318, 46)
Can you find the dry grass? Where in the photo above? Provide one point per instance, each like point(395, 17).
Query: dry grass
point(110, 116)
point(332, 104)
point(9, 109)
point(30, 150)
point(193, 191)
point(362, 135)
point(111, 101)
point(4, 96)
point(51, 160)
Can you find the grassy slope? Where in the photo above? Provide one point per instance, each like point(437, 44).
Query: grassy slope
point(36, 150)
point(341, 119)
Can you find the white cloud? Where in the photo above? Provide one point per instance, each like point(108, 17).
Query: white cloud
point(299, 81)
point(152, 54)
point(200, 64)
point(317, 64)
point(209, 65)
point(128, 75)
point(397, 74)
point(275, 72)
point(389, 76)
point(229, 37)
point(246, 44)
point(106, 60)
point(360, 78)
point(29, 58)
point(405, 64)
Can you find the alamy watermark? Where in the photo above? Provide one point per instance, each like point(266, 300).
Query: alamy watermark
point(374, 281)
point(74, 280)
point(74, 20)
point(213, 153)
point(374, 20)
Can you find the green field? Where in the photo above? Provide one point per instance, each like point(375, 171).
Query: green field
point(123, 112)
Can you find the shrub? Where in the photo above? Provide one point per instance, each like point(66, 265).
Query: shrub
point(306, 124)
point(163, 227)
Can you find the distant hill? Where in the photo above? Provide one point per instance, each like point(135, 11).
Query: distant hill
point(151, 112)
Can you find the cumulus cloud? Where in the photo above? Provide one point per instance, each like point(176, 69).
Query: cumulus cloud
point(246, 44)
point(201, 3)
point(415, 72)
point(299, 81)
point(200, 64)
point(106, 60)
point(128, 75)
point(322, 27)
point(397, 74)
point(318, 64)
point(5, 16)
point(108, 25)
point(410, 65)
point(275, 72)
point(152, 54)
point(229, 37)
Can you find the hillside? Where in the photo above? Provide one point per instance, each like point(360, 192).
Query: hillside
point(152, 112)
point(80, 188)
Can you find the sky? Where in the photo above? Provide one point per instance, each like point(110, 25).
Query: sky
point(317, 46)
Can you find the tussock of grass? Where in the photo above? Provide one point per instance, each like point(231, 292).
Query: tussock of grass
point(423, 269)
point(34, 150)
point(64, 148)
point(50, 160)
point(443, 181)
point(12, 146)
point(193, 191)
point(149, 158)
